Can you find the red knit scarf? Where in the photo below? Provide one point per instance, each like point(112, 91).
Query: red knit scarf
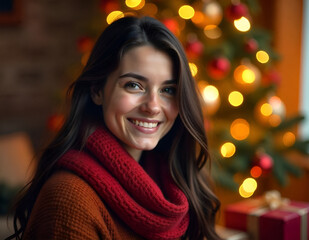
point(128, 190)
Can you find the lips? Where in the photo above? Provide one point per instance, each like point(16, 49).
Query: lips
point(145, 124)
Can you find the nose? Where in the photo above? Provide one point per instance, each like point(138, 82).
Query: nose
point(151, 104)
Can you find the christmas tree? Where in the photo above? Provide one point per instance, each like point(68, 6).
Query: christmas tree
point(234, 65)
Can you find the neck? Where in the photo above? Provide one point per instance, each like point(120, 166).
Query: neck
point(135, 153)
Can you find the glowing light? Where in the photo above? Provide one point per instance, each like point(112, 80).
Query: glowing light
point(243, 193)
point(186, 12)
point(198, 17)
point(244, 75)
point(236, 98)
point(228, 149)
point(256, 171)
point(249, 185)
point(248, 76)
point(193, 69)
point(266, 109)
point(114, 16)
point(242, 24)
point(262, 56)
point(212, 31)
point(210, 94)
point(274, 120)
point(240, 129)
point(288, 139)
point(133, 3)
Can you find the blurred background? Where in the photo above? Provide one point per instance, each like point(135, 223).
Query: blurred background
point(250, 59)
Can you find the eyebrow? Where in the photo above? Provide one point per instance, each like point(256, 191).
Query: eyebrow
point(144, 79)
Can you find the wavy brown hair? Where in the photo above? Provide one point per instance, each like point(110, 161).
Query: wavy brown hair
point(186, 143)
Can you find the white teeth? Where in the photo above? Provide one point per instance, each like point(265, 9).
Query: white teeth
point(145, 124)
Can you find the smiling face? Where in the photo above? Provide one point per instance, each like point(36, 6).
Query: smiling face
point(139, 99)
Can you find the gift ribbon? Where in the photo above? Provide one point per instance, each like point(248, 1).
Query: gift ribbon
point(272, 200)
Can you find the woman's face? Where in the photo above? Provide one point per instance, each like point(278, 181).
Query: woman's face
point(139, 99)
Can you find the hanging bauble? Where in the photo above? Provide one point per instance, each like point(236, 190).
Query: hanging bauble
point(84, 44)
point(55, 122)
point(108, 6)
point(212, 12)
point(172, 25)
point(264, 161)
point(270, 111)
point(236, 11)
point(247, 76)
point(194, 49)
point(251, 45)
point(218, 68)
point(271, 76)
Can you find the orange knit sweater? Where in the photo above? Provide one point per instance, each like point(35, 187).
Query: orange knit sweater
point(68, 208)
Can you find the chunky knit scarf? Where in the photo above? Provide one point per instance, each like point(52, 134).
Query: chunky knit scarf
point(127, 188)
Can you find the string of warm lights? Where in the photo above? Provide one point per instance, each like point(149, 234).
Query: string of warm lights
point(245, 76)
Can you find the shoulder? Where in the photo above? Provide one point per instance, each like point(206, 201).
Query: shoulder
point(68, 186)
point(68, 208)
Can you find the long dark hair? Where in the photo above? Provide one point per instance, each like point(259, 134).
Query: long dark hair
point(188, 152)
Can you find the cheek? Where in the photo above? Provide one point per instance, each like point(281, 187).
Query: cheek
point(172, 111)
point(118, 105)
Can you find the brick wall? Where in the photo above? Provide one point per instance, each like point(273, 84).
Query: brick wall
point(37, 57)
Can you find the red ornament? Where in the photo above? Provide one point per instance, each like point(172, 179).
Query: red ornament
point(84, 44)
point(236, 11)
point(194, 49)
point(218, 68)
point(172, 25)
point(271, 77)
point(55, 122)
point(264, 161)
point(251, 45)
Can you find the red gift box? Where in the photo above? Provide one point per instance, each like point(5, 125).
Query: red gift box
point(288, 221)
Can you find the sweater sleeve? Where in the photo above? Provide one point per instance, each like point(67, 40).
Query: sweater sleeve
point(68, 208)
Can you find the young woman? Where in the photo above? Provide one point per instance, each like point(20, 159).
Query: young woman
point(126, 164)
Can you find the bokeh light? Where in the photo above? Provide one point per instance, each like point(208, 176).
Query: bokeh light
point(212, 31)
point(193, 69)
point(274, 120)
point(198, 18)
point(248, 76)
point(256, 171)
point(249, 185)
point(236, 98)
point(288, 139)
point(228, 149)
point(186, 12)
point(242, 24)
point(262, 56)
point(243, 193)
point(114, 16)
point(133, 3)
point(210, 94)
point(240, 129)
point(266, 109)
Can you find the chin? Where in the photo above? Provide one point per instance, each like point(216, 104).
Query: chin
point(145, 147)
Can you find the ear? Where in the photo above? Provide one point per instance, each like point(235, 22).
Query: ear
point(97, 95)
